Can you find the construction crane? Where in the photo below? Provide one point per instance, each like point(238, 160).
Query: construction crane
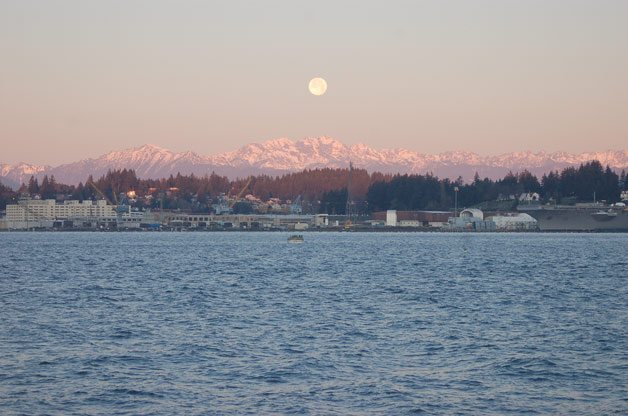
point(101, 193)
point(296, 206)
point(119, 209)
point(237, 198)
point(225, 203)
point(239, 195)
point(123, 204)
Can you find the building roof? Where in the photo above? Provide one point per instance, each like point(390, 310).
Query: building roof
point(472, 212)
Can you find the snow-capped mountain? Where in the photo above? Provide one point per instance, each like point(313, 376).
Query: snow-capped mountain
point(14, 175)
point(284, 155)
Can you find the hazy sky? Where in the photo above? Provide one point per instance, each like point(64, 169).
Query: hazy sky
point(79, 78)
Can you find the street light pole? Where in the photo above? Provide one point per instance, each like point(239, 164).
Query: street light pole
point(456, 201)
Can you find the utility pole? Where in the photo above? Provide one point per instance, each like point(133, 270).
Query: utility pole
point(456, 189)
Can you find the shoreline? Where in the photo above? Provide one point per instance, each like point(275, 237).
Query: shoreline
point(390, 230)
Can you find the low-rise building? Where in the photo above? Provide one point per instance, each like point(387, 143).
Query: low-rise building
point(529, 197)
point(470, 219)
point(514, 222)
point(394, 218)
point(321, 220)
point(391, 218)
point(239, 221)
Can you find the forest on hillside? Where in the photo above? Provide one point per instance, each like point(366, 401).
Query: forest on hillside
point(426, 192)
point(327, 190)
point(198, 193)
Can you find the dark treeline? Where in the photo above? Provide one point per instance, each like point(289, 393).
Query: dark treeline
point(427, 192)
point(198, 192)
point(326, 189)
point(7, 196)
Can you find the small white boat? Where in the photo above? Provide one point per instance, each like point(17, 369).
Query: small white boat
point(295, 239)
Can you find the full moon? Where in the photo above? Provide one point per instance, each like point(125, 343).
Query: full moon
point(317, 86)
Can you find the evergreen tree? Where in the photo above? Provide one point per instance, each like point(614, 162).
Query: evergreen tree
point(7, 196)
point(568, 182)
point(528, 182)
point(33, 186)
point(550, 185)
point(610, 191)
point(334, 202)
point(48, 188)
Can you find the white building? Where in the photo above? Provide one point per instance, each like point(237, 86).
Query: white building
point(529, 197)
point(412, 219)
point(321, 220)
point(35, 213)
point(470, 219)
point(470, 213)
point(391, 218)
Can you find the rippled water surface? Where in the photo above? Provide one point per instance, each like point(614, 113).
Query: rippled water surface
point(232, 323)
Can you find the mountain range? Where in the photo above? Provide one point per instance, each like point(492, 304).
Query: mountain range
point(280, 156)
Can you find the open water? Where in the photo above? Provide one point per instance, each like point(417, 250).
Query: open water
point(346, 323)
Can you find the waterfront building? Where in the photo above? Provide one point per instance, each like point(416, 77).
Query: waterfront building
point(321, 220)
point(38, 213)
point(514, 222)
point(470, 219)
point(238, 221)
point(391, 218)
point(72, 214)
point(394, 218)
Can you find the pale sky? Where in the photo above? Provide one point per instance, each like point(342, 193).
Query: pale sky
point(79, 78)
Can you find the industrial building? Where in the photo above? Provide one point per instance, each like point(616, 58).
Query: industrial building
point(394, 218)
point(30, 214)
point(470, 219)
point(240, 221)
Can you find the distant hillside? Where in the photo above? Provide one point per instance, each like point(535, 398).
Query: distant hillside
point(284, 155)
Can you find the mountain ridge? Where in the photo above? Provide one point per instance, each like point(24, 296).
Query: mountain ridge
point(282, 155)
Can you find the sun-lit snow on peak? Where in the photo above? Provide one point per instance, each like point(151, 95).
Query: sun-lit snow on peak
point(278, 143)
point(284, 155)
point(142, 153)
